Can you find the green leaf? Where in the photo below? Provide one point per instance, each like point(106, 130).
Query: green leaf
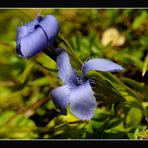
point(101, 114)
point(131, 135)
point(132, 102)
point(121, 87)
point(5, 116)
point(139, 20)
point(114, 122)
point(14, 97)
point(133, 117)
point(27, 71)
point(19, 127)
point(145, 66)
point(141, 132)
point(133, 84)
point(144, 41)
point(22, 121)
point(42, 81)
point(103, 88)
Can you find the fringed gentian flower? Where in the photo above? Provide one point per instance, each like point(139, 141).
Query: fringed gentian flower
point(77, 91)
point(36, 36)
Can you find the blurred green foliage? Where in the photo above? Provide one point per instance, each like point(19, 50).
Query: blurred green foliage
point(26, 109)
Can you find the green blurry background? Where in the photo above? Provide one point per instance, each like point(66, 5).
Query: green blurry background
point(26, 109)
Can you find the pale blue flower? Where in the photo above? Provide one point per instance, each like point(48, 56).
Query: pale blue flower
point(36, 36)
point(77, 91)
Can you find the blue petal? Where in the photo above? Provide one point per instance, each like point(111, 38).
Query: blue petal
point(32, 24)
point(23, 32)
point(65, 72)
point(101, 65)
point(30, 39)
point(50, 26)
point(60, 97)
point(20, 33)
point(32, 44)
point(82, 101)
point(27, 28)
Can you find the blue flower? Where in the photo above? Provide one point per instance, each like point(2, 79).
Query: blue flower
point(77, 91)
point(36, 36)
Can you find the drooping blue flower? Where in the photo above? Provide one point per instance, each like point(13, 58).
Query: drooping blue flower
point(77, 91)
point(36, 36)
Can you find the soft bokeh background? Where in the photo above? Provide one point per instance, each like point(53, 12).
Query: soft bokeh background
point(26, 109)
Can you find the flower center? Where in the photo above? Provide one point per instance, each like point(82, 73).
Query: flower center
point(80, 79)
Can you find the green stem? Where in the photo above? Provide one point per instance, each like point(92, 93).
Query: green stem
point(62, 43)
point(49, 69)
point(70, 51)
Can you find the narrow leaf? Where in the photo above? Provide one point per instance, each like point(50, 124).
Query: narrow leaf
point(145, 66)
